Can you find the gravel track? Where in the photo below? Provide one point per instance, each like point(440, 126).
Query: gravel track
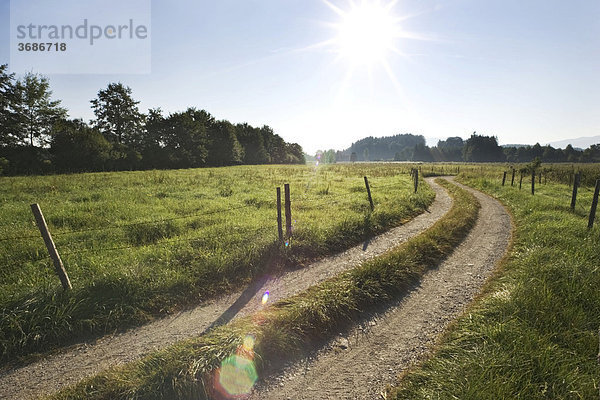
point(360, 364)
point(67, 368)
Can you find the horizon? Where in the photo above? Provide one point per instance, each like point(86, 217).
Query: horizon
point(323, 76)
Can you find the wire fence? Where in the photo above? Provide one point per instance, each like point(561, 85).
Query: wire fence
point(69, 247)
point(565, 199)
point(166, 241)
point(120, 226)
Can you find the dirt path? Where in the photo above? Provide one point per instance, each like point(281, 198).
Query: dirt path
point(61, 370)
point(360, 365)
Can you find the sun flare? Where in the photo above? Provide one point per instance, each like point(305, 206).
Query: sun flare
point(367, 37)
point(366, 33)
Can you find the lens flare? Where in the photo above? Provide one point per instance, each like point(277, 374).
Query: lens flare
point(249, 341)
point(237, 375)
point(265, 297)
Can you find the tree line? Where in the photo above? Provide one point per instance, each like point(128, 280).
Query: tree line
point(477, 148)
point(36, 135)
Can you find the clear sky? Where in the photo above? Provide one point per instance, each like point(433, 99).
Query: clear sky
point(324, 76)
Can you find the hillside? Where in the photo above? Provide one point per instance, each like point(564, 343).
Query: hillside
point(383, 148)
point(580, 142)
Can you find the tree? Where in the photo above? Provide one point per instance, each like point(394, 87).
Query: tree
point(450, 149)
point(153, 142)
point(117, 115)
point(327, 156)
point(479, 148)
point(571, 155)
point(36, 112)
point(77, 147)
point(253, 145)
point(185, 138)
point(7, 104)
point(224, 148)
point(274, 145)
point(421, 153)
point(295, 154)
point(353, 157)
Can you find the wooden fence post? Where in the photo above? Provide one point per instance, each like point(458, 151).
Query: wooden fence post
point(416, 178)
point(504, 178)
point(288, 210)
point(512, 180)
point(58, 265)
point(533, 182)
point(369, 193)
point(279, 222)
point(574, 195)
point(521, 181)
point(594, 205)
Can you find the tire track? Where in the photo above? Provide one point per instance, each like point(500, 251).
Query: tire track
point(362, 364)
point(67, 368)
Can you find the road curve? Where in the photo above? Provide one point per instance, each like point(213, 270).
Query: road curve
point(58, 371)
point(361, 364)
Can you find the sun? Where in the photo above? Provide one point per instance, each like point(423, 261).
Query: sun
point(366, 33)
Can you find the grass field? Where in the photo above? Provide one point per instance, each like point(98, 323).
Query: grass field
point(141, 244)
point(188, 369)
point(534, 332)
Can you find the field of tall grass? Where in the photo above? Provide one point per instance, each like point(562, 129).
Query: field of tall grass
point(533, 334)
point(138, 245)
point(204, 366)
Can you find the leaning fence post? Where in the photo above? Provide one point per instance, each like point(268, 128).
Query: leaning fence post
point(512, 180)
point(594, 204)
point(279, 223)
point(288, 210)
point(58, 265)
point(533, 182)
point(504, 178)
point(369, 193)
point(574, 195)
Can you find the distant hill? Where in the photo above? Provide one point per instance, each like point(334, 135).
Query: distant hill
point(581, 142)
point(399, 147)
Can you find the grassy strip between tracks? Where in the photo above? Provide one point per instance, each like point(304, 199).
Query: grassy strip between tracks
point(534, 332)
point(228, 358)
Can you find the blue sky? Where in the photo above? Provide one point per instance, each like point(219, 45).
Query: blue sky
point(525, 71)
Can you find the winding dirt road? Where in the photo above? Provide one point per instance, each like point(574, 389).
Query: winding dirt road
point(360, 365)
point(58, 371)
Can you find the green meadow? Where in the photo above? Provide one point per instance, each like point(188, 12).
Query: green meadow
point(188, 369)
point(138, 245)
point(533, 334)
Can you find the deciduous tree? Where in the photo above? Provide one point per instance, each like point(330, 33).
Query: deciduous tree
point(117, 115)
point(35, 109)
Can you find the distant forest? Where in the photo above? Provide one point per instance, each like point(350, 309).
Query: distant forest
point(37, 137)
point(478, 148)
